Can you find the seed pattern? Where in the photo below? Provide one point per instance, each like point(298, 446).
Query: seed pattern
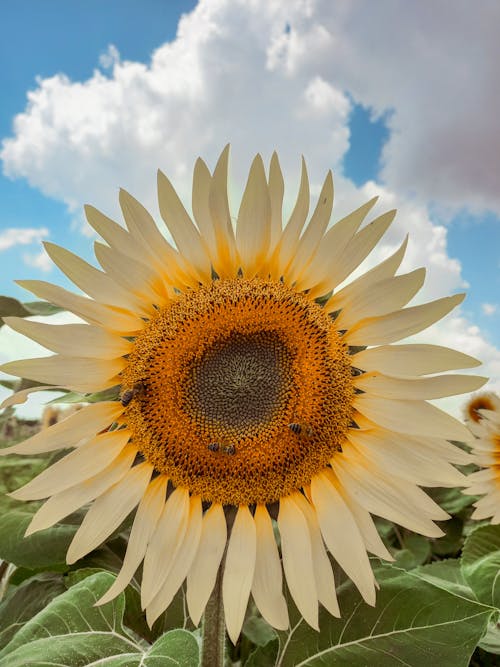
point(226, 369)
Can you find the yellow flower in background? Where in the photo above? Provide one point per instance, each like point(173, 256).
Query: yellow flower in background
point(483, 401)
point(251, 388)
point(483, 412)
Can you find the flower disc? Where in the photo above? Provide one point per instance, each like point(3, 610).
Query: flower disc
point(243, 391)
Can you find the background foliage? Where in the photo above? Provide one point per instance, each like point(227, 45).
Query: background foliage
point(438, 602)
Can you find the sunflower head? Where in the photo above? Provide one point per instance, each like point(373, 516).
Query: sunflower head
point(478, 402)
point(250, 377)
point(484, 412)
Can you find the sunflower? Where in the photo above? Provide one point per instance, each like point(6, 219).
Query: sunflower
point(249, 390)
point(483, 412)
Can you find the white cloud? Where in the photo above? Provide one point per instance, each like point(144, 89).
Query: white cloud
point(108, 59)
point(13, 236)
point(266, 75)
point(15, 346)
point(39, 260)
point(433, 70)
point(489, 308)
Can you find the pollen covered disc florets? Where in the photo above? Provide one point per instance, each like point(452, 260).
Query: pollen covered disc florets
point(247, 391)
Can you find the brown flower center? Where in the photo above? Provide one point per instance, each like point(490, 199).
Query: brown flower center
point(242, 391)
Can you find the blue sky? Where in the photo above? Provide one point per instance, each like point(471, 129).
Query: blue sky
point(371, 134)
point(62, 37)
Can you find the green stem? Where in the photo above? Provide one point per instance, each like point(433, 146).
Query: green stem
point(214, 628)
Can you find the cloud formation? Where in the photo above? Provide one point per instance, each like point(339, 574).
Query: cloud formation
point(282, 75)
point(13, 236)
point(39, 260)
point(489, 308)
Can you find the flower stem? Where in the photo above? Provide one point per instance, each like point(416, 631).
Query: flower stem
point(214, 628)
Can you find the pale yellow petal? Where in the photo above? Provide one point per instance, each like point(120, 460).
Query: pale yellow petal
point(108, 511)
point(181, 564)
point(390, 386)
point(412, 359)
point(90, 280)
point(342, 536)
point(85, 423)
point(253, 228)
point(287, 244)
point(225, 261)
point(367, 528)
point(187, 238)
point(383, 497)
point(75, 373)
point(403, 458)
point(412, 417)
point(135, 277)
point(81, 464)
point(318, 276)
point(359, 247)
point(200, 204)
point(114, 234)
point(82, 340)
point(444, 449)
point(382, 271)
point(380, 298)
point(65, 502)
point(145, 522)
point(238, 571)
point(313, 234)
point(165, 544)
point(276, 191)
point(19, 397)
point(401, 323)
point(114, 319)
point(203, 572)
point(161, 255)
point(296, 550)
point(325, 581)
point(267, 586)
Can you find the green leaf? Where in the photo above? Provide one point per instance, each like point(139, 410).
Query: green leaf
point(415, 622)
point(491, 640)
point(16, 471)
point(23, 602)
point(70, 627)
point(258, 631)
point(417, 550)
point(42, 308)
point(481, 564)
point(178, 648)
point(452, 501)
point(451, 542)
point(12, 307)
point(46, 548)
point(264, 656)
point(72, 631)
point(110, 394)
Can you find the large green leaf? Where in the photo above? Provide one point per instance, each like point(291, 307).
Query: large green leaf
point(421, 617)
point(72, 631)
point(12, 307)
point(46, 548)
point(481, 564)
point(26, 600)
point(452, 500)
point(16, 471)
